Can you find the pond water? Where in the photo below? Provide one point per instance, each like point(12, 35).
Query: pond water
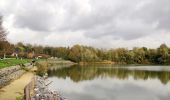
point(110, 82)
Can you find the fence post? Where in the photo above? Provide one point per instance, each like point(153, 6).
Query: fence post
point(28, 89)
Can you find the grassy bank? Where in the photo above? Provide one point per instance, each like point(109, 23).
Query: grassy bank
point(11, 62)
point(43, 65)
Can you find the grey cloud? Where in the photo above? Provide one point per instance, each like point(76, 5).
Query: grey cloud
point(38, 21)
point(125, 29)
point(35, 17)
point(155, 11)
point(133, 22)
point(119, 19)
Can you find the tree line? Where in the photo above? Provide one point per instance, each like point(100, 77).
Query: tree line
point(143, 55)
point(80, 53)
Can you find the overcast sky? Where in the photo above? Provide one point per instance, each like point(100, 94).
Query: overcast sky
point(98, 23)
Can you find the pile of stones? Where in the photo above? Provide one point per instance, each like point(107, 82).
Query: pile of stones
point(42, 91)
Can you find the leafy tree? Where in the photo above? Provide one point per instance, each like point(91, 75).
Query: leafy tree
point(61, 52)
point(163, 54)
point(47, 50)
point(38, 49)
point(89, 54)
point(6, 48)
point(139, 55)
point(75, 53)
point(130, 57)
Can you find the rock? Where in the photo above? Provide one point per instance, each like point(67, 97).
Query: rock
point(9, 70)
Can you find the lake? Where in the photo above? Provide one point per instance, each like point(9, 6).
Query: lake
point(111, 82)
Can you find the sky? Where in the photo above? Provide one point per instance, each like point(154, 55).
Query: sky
point(98, 23)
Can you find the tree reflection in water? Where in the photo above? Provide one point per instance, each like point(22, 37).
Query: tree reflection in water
point(80, 73)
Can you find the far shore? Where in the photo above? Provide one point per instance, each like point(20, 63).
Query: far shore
point(96, 62)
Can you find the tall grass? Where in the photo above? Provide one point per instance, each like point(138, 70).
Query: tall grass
point(42, 68)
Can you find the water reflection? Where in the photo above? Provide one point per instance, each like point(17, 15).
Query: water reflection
point(105, 82)
point(80, 73)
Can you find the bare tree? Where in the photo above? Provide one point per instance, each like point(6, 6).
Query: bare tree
point(4, 45)
point(2, 30)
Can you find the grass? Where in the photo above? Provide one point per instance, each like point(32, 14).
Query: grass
point(11, 62)
point(19, 98)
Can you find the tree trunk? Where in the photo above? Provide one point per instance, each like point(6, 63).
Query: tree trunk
point(16, 56)
point(4, 55)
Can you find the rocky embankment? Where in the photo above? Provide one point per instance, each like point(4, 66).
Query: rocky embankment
point(42, 92)
point(11, 73)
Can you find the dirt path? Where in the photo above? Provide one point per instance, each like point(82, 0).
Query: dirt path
point(16, 88)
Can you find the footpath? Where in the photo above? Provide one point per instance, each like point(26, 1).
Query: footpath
point(16, 88)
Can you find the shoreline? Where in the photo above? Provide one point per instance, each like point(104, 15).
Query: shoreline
point(117, 63)
point(97, 62)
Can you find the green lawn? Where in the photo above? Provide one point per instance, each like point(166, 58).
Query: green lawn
point(12, 62)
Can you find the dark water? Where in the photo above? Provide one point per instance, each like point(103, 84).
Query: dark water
point(107, 82)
